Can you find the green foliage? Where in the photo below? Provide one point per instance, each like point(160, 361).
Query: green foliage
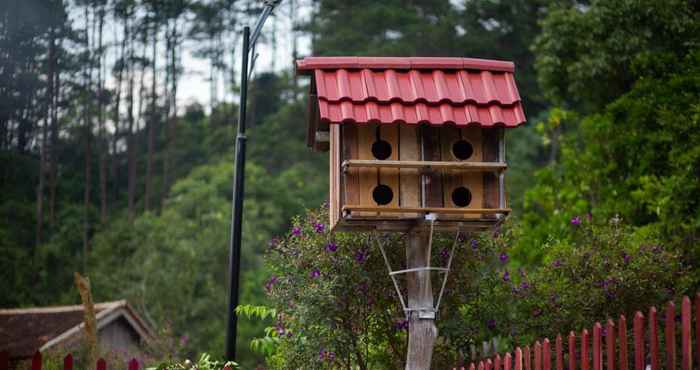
point(586, 53)
point(266, 345)
point(204, 362)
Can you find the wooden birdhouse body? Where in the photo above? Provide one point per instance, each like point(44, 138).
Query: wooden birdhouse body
point(413, 136)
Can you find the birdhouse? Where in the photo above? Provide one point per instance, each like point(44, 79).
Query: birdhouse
point(410, 137)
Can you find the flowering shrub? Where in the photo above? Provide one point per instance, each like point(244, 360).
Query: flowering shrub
point(336, 306)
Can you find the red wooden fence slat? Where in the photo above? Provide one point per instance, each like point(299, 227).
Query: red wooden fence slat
point(610, 344)
point(622, 334)
point(686, 351)
point(497, 362)
point(585, 365)
point(101, 364)
point(597, 347)
point(572, 351)
point(4, 360)
point(68, 362)
point(560, 353)
point(638, 328)
point(36, 361)
point(546, 355)
point(134, 364)
point(489, 364)
point(528, 357)
point(653, 340)
point(481, 365)
point(670, 335)
point(518, 359)
point(472, 366)
point(508, 362)
point(697, 328)
point(538, 355)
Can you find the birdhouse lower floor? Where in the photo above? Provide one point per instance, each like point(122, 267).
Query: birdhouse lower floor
point(390, 176)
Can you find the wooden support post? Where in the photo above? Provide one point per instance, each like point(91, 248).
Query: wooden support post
point(422, 332)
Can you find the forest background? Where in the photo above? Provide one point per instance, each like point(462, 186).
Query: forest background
point(106, 170)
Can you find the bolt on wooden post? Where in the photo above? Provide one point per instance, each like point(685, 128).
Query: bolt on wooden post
point(417, 146)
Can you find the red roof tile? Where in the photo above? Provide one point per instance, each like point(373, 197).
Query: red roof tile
point(435, 91)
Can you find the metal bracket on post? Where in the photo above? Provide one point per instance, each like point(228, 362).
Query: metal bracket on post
point(424, 313)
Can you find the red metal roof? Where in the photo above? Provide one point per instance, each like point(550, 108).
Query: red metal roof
point(436, 91)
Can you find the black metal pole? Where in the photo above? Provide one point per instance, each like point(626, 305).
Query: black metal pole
point(237, 210)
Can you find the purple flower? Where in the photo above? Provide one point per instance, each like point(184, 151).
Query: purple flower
point(273, 242)
point(270, 283)
point(556, 264)
point(626, 257)
point(319, 227)
point(475, 244)
point(331, 247)
point(445, 253)
point(506, 276)
point(361, 256)
point(503, 257)
point(326, 355)
point(576, 221)
point(183, 340)
point(524, 286)
point(401, 325)
point(296, 231)
point(491, 324)
point(315, 273)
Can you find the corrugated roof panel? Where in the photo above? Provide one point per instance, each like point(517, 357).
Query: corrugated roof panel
point(435, 91)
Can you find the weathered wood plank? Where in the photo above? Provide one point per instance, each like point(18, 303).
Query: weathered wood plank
point(409, 178)
point(431, 152)
point(351, 177)
point(421, 332)
point(390, 176)
point(366, 134)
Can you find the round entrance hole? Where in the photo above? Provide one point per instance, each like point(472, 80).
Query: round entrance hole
point(462, 150)
point(381, 149)
point(382, 194)
point(461, 197)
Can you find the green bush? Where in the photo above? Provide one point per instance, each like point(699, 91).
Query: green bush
point(336, 307)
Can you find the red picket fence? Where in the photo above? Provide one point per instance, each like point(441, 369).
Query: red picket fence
point(609, 345)
point(67, 362)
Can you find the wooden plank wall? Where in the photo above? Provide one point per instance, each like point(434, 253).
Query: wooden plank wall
point(409, 179)
point(411, 143)
point(607, 348)
point(490, 154)
point(452, 180)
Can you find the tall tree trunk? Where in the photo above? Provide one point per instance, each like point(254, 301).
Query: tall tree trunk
point(130, 141)
point(171, 109)
point(53, 144)
point(48, 112)
point(102, 145)
point(88, 138)
point(152, 118)
point(121, 60)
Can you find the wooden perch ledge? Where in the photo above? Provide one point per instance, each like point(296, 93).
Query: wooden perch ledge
point(426, 165)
